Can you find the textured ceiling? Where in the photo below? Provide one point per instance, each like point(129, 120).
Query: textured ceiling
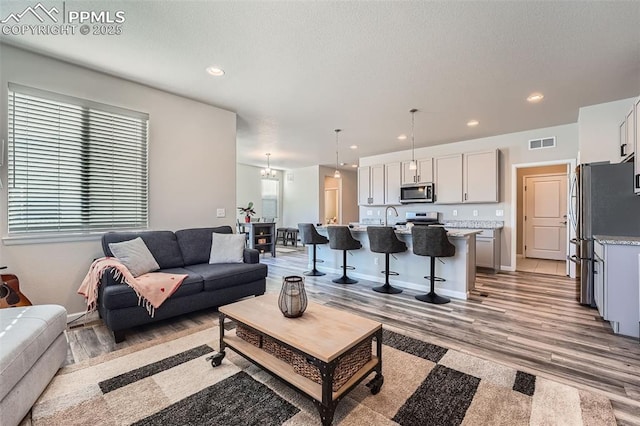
point(295, 71)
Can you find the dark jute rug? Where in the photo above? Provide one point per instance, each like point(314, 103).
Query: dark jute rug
point(169, 382)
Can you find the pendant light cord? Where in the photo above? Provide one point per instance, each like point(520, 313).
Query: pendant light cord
point(413, 142)
point(337, 172)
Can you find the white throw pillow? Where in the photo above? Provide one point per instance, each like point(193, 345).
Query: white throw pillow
point(135, 255)
point(227, 248)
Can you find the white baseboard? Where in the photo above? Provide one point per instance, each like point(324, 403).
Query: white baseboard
point(507, 268)
point(399, 283)
point(77, 315)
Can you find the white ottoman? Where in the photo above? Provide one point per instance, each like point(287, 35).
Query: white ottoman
point(32, 349)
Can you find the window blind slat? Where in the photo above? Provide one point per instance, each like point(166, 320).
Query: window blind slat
point(74, 165)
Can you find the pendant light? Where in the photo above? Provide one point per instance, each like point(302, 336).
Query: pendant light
point(268, 172)
point(336, 174)
point(413, 165)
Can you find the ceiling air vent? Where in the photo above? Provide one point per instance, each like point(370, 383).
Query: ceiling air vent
point(542, 143)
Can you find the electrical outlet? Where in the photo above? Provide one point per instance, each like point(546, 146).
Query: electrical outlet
point(475, 212)
point(455, 212)
point(375, 260)
point(378, 212)
point(369, 213)
point(499, 212)
point(221, 212)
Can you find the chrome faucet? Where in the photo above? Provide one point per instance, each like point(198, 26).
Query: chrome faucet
point(386, 213)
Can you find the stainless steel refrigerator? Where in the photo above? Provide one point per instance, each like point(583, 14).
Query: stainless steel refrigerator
point(605, 205)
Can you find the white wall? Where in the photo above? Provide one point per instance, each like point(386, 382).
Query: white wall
point(513, 150)
point(598, 131)
point(249, 188)
point(192, 157)
point(301, 196)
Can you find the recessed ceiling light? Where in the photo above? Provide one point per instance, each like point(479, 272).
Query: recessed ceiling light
point(354, 165)
point(472, 123)
point(343, 164)
point(402, 137)
point(535, 97)
point(215, 71)
point(354, 147)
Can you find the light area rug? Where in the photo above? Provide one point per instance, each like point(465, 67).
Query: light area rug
point(169, 382)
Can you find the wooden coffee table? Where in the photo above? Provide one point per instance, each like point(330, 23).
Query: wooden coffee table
point(322, 335)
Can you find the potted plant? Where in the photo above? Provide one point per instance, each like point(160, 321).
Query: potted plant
point(247, 211)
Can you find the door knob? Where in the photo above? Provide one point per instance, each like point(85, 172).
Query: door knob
point(564, 223)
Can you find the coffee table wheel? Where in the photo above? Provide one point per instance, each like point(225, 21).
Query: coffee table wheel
point(216, 359)
point(376, 384)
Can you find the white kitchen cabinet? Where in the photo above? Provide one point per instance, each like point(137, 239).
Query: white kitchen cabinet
point(627, 135)
point(636, 145)
point(467, 178)
point(371, 185)
point(392, 183)
point(616, 291)
point(448, 179)
point(480, 177)
point(422, 174)
point(488, 249)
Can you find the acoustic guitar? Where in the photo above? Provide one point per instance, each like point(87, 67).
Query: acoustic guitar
point(10, 295)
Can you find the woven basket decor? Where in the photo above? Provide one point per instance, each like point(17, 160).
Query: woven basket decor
point(249, 335)
point(346, 368)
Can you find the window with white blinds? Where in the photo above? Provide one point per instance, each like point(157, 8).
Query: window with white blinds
point(74, 166)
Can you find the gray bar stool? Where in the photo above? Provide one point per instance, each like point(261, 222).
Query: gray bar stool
point(309, 235)
point(383, 239)
point(340, 238)
point(432, 241)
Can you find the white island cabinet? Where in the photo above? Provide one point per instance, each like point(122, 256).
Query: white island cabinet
point(616, 291)
point(459, 271)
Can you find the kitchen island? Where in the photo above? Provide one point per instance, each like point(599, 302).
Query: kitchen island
point(459, 271)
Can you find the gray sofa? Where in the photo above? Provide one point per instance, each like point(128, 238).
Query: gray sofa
point(182, 252)
point(33, 346)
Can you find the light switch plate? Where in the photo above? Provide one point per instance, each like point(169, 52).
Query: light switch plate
point(455, 212)
point(499, 212)
point(369, 213)
point(475, 212)
point(221, 212)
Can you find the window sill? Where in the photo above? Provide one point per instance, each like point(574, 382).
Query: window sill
point(49, 239)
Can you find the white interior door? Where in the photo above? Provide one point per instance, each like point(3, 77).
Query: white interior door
point(546, 217)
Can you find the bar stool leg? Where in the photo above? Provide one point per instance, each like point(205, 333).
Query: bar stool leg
point(344, 279)
point(314, 272)
point(387, 288)
point(432, 297)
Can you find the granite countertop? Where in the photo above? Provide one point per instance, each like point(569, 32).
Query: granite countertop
point(461, 233)
point(627, 241)
point(474, 224)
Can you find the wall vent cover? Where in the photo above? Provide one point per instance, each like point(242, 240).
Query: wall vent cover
point(542, 143)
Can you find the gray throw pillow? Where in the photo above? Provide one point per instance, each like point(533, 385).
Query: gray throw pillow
point(227, 248)
point(135, 255)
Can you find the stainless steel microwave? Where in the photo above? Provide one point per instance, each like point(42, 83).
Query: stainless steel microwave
point(416, 193)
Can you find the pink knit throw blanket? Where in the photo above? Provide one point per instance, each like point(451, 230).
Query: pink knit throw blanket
point(152, 288)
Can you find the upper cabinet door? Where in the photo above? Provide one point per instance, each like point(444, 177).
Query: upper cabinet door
point(408, 176)
point(425, 171)
point(377, 185)
point(624, 149)
point(448, 179)
point(636, 114)
point(481, 177)
point(392, 183)
point(422, 174)
point(364, 193)
point(631, 133)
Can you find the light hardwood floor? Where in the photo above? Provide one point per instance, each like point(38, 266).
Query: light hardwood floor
point(524, 320)
point(541, 266)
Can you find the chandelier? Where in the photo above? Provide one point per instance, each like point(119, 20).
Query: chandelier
point(268, 172)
